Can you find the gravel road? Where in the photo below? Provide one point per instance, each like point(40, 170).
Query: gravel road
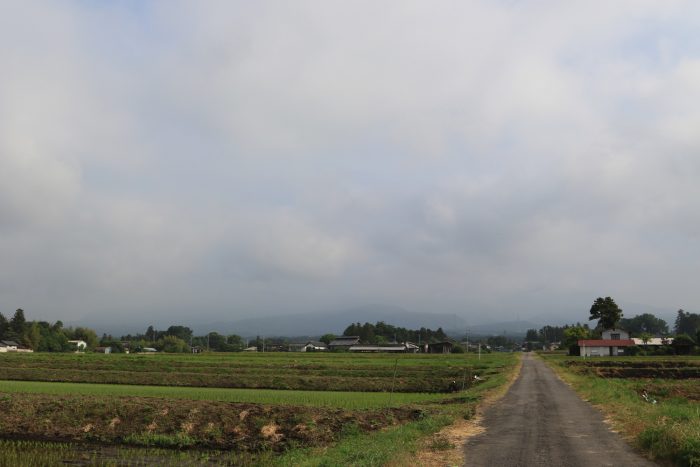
point(542, 422)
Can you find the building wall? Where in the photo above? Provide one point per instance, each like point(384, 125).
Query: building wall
point(588, 351)
point(593, 351)
point(607, 334)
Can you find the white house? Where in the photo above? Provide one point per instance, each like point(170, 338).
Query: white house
point(613, 343)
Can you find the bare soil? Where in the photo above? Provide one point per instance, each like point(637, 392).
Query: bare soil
point(667, 369)
point(183, 423)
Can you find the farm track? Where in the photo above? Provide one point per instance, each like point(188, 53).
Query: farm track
point(542, 422)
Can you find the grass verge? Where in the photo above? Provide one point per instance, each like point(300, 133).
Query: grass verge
point(424, 442)
point(667, 430)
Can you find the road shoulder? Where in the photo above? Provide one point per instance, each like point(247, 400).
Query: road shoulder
point(455, 436)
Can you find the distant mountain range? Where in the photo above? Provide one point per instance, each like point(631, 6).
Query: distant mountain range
point(509, 328)
point(319, 323)
point(335, 322)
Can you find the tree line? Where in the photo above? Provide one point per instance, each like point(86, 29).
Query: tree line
point(382, 333)
point(686, 329)
point(42, 336)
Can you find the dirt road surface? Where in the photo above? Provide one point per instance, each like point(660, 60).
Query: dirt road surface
point(542, 422)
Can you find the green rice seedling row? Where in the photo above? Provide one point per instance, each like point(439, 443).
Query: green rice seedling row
point(340, 399)
point(293, 371)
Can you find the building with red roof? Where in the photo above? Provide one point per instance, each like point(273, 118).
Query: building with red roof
point(613, 343)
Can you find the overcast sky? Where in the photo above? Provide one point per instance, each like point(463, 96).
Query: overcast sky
point(226, 159)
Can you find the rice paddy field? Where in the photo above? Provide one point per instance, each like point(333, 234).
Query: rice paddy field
point(301, 371)
point(340, 399)
point(653, 400)
point(233, 409)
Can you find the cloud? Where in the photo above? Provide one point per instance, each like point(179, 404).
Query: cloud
point(263, 158)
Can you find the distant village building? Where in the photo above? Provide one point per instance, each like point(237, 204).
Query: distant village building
point(309, 346)
point(314, 346)
point(344, 342)
point(406, 347)
point(8, 346)
point(653, 342)
point(613, 343)
point(439, 347)
point(103, 349)
point(12, 346)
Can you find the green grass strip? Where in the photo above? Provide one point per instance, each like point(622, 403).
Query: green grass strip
point(365, 450)
point(348, 400)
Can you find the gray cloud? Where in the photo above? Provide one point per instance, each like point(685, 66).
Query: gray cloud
point(238, 159)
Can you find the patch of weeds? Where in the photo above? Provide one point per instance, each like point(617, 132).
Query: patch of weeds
point(469, 412)
point(178, 440)
point(440, 443)
point(349, 429)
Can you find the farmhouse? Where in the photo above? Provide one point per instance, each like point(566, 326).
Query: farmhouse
point(344, 342)
point(613, 343)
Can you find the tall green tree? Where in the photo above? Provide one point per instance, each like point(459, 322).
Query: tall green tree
point(606, 311)
point(683, 344)
point(4, 326)
point(181, 332)
point(687, 323)
point(150, 334)
point(84, 334)
point(327, 338)
point(172, 344)
point(18, 323)
point(33, 338)
point(575, 333)
point(235, 342)
point(532, 336)
point(644, 323)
